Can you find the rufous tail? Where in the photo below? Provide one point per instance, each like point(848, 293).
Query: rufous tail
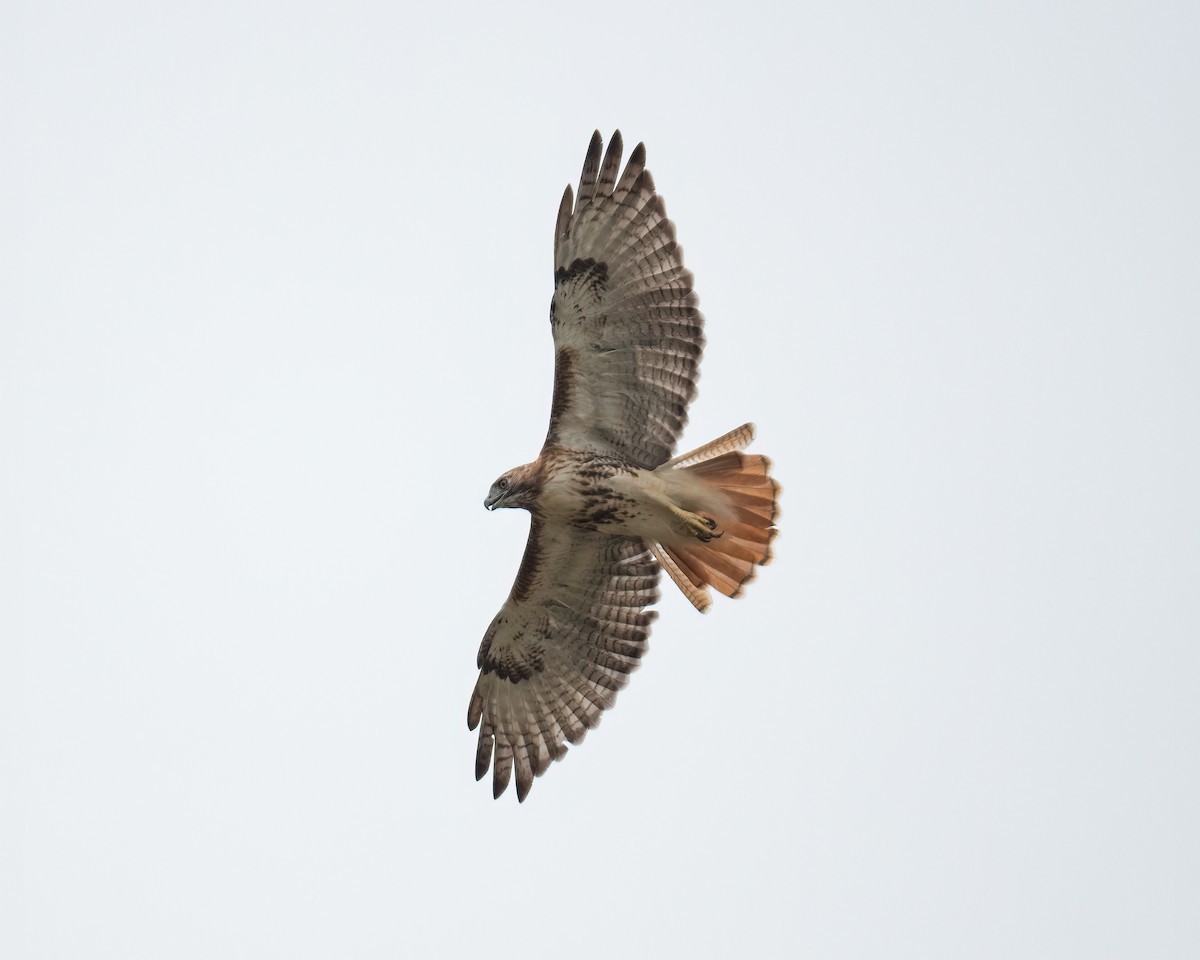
point(719, 483)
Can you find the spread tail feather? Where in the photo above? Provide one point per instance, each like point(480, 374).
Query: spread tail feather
point(737, 439)
point(736, 490)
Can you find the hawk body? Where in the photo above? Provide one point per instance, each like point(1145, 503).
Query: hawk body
point(610, 507)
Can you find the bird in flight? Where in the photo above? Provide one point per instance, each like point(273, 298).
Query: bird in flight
point(610, 504)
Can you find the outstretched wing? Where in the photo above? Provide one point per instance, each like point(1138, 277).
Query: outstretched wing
point(560, 648)
point(627, 333)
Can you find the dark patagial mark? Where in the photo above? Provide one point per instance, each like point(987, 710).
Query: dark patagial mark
point(564, 387)
point(531, 563)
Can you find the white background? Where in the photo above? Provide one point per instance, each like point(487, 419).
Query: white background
point(274, 282)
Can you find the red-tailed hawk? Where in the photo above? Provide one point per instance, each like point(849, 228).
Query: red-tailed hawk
point(609, 504)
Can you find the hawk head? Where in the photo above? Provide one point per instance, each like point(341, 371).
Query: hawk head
point(518, 487)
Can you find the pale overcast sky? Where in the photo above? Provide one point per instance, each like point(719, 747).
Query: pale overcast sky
point(274, 293)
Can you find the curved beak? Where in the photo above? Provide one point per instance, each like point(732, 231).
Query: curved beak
point(490, 502)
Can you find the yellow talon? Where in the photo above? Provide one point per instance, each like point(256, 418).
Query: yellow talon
point(696, 525)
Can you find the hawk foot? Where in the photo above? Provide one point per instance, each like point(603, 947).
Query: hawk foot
point(696, 525)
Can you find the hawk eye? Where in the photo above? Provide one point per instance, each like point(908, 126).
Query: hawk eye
point(502, 482)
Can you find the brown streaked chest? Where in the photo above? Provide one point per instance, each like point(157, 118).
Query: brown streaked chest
point(591, 492)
